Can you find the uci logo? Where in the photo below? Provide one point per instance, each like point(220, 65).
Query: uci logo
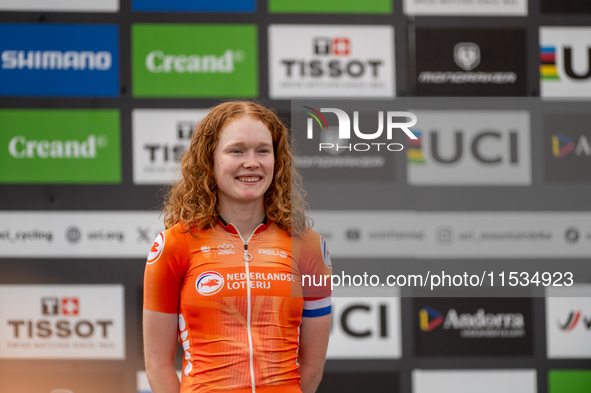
point(156, 250)
point(209, 283)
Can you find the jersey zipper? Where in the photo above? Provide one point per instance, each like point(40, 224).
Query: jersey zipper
point(248, 329)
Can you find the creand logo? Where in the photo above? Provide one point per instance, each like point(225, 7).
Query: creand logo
point(344, 130)
point(20, 147)
point(209, 283)
point(159, 62)
point(56, 60)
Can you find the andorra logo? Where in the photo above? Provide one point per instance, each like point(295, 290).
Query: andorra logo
point(156, 250)
point(209, 283)
point(427, 313)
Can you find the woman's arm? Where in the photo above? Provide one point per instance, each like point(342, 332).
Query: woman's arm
point(314, 334)
point(160, 343)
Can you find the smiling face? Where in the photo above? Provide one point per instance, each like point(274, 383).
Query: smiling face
point(243, 162)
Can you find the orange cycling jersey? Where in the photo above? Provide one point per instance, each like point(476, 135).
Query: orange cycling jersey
point(238, 321)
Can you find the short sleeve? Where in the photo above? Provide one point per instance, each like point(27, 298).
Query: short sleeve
point(316, 264)
point(164, 273)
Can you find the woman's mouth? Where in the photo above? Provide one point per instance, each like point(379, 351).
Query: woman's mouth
point(249, 179)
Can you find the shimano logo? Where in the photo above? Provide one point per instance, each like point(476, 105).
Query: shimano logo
point(56, 60)
point(157, 62)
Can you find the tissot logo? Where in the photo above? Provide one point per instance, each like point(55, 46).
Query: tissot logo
point(331, 61)
point(57, 306)
point(160, 139)
point(62, 321)
point(565, 62)
point(340, 46)
point(470, 62)
point(461, 147)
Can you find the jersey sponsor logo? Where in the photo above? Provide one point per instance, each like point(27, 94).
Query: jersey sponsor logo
point(209, 283)
point(225, 249)
point(156, 250)
point(282, 254)
point(325, 254)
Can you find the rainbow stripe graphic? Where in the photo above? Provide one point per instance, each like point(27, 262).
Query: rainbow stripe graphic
point(414, 154)
point(314, 115)
point(567, 147)
point(548, 70)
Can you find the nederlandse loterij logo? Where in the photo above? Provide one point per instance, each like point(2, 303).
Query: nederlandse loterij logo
point(344, 130)
point(60, 146)
point(156, 249)
point(429, 319)
point(573, 320)
point(59, 60)
point(209, 283)
point(562, 145)
point(194, 60)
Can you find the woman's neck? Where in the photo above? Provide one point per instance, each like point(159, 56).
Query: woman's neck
point(244, 217)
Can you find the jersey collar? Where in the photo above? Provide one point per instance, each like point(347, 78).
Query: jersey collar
point(229, 227)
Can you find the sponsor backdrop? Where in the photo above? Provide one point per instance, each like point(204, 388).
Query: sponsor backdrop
point(98, 100)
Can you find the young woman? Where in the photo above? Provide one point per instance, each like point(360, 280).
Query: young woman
point(226, 275)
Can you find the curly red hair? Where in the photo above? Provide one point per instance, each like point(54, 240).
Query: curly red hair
point(193, 201)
